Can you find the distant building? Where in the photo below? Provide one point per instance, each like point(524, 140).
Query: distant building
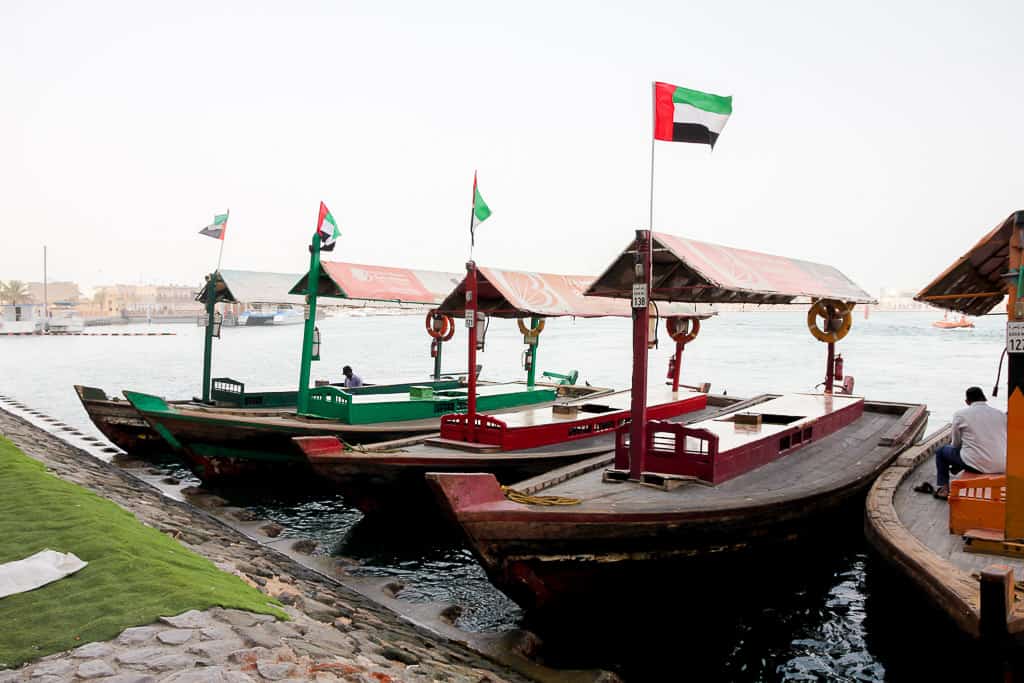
point(55, 291)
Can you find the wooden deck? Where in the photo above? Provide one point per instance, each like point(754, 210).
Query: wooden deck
point(911, 530)
point(830, 463)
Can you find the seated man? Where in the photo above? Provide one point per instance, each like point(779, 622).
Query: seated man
point(351, 379)
point(978, 442)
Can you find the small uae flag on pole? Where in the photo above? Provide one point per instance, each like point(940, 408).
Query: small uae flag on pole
point(327, 228)
point(481, 211)
point(217, 228)
point(684, 115)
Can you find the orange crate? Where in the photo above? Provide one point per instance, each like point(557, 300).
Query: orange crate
point(977, 501)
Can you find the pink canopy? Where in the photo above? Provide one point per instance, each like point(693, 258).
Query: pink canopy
point(380, 283)
point(688, 270)
point(520, 294)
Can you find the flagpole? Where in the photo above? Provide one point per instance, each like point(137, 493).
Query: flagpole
point(650, 218)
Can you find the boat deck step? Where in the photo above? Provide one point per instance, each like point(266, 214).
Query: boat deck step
point(463, 445)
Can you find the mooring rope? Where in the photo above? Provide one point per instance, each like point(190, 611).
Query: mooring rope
point(527, 499)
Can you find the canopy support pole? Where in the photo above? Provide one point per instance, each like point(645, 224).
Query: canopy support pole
point(313, 284)
point(676, 367)
point(830, 368)
point(531, 374)
point(437, 359)
point(471, 323)
point(641, 322)
point(211, 303)
point(1015, 399)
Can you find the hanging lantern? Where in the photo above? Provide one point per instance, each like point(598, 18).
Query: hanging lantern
point(316, 344)
point(218, 320)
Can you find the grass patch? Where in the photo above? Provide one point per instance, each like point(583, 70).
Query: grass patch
point(135, 573)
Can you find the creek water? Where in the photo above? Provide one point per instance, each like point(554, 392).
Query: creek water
point(824, 609)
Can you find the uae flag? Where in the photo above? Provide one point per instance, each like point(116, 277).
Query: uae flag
point(481, 211)
point(684, 115)
point(327, 228)
point(217, 228)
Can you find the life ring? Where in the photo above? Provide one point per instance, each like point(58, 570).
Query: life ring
point(447, 330)
point(531, 332)
point(681, 330)
point(829, 310)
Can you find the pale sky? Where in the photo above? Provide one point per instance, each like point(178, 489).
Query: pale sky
point(882, 138)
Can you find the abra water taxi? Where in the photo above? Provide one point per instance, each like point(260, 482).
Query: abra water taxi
point(519, 444)
point(967, 555)
point(732, 477)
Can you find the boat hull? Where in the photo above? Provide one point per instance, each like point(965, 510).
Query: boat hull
point(120, 423)
point(225, 449)
point(541, 557)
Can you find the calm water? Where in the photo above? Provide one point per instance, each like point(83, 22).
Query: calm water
point(824, 610)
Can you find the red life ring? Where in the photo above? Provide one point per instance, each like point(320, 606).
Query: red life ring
point(447, 330)
point(680, 329)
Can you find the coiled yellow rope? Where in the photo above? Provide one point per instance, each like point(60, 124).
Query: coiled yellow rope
point(527, 499)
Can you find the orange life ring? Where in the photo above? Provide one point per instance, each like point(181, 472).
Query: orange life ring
point(447, 330)
point(531, 332)
point(829, 309)
point(682, 334)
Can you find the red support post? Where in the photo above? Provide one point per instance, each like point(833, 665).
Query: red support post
point(471, 323)
point(679, 360)
point(641, 320)
point(830, 368)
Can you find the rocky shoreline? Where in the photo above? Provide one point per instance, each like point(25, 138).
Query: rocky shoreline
point(335, 633)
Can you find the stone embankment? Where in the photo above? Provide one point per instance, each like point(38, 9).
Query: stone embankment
point(335, 634)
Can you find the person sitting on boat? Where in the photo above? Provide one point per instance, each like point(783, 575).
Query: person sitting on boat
point(351, 379)
point(978, 442)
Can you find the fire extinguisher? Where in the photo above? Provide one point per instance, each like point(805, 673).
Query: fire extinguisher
point(838, 367)
point(433, 348)
point(671, 367)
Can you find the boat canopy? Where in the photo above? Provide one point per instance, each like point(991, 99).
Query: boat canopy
point(688, 270)
point(974, 283)
point(520, 294)
point(379, 283)
point(253, 287)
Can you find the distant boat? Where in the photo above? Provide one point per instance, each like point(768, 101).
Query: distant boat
point(281, 315)
point(64, 318)
point(947, 324)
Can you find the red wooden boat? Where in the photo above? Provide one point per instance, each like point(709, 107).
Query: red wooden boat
point(515, 445)
point(757, 472)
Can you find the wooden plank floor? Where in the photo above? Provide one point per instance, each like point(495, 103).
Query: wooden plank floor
point(824, 465)
point(927, 518)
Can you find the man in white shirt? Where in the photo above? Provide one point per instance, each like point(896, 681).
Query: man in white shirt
point(351, 379)
point(978, 442)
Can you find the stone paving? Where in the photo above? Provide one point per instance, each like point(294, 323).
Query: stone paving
point(335, 634)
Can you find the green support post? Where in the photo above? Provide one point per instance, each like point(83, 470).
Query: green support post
point(531, 374)
point(307, 335)
point(211, 303)
point(437, 360)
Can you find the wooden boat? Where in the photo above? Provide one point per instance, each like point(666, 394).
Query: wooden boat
point(512, 447)
point(966, 554)
point(912, 531)
point(124, 426)
point(947, 324)
point(539, 555)
point(520, 444)
point(753, 473)
point(221, 444)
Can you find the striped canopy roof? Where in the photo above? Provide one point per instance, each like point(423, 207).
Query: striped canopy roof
point(521, 294)
point(688, 270)
point(380, 283)
point(973, 284)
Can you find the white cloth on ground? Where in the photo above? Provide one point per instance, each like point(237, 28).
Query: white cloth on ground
point(37, 570)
